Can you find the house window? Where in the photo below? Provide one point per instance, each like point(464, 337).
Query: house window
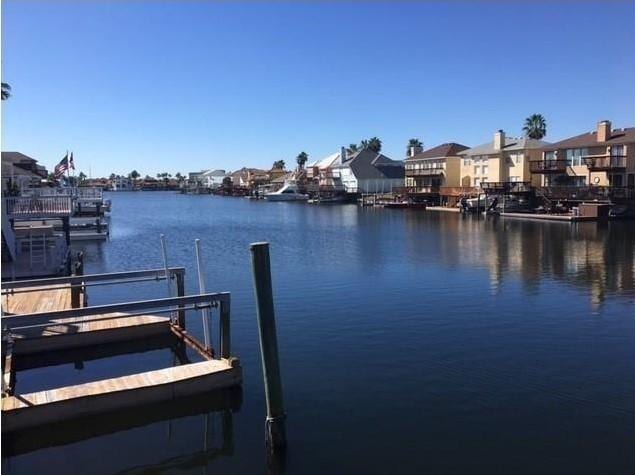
point(514, 179)
point(578, 180)
point(477, 182)
point(466, 162)
point(617, 151)
point(574, 156)
point(550, 155)
point(485, 169)
point(477, 170)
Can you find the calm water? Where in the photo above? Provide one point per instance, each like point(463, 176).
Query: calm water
point(411, 342)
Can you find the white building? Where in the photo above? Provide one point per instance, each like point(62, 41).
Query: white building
point(122, 183)
point(369, 172)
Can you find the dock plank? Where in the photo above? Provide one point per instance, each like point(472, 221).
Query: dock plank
point(44, 299)
point(27, 410)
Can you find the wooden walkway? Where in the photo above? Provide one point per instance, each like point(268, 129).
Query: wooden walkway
point(25, 410)
point(85, 331)
point(42, 300)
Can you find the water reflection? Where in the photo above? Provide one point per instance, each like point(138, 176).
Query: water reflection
point(598, 257)
point(183, 434)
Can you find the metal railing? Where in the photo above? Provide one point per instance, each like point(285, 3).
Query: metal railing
point(432, 171)
point(11, 323)
point(548, 166)
point(607, 162)
point(506, 186)
point(35, 207)
point(90, 193)
point(413, 190)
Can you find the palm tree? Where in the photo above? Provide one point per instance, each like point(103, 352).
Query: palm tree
point(278, 164)
point(413, 143)
point(535, 126)
point(82, 176)
point(374, 144)
point(134, 174)
point(363, 144)
point(302, 159)
point(6, 91)
point(353, 147)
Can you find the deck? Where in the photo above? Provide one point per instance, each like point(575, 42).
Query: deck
point(37, 300)
point(42, 407)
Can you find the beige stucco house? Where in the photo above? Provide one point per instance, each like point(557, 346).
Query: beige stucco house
point(505, 159)
point(603, 157)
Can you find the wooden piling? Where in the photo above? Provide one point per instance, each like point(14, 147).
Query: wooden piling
point(275, 422)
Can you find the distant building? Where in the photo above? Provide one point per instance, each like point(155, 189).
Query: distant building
point(249, 177)
point(122, 183)
point(20, 172)
point(431, 172)
point(604, 157)
point(505, 159)
point(369, 172)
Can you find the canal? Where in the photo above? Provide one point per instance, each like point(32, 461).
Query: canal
point(411, 342)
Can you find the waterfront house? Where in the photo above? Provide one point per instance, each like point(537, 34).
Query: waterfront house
point(367, 171)
point(434, 174)
point(603, 157)
point(319, 174)
point(504, 159)
point(249, 177)
point(20, 172)
point(121, 183)
point(207, 178)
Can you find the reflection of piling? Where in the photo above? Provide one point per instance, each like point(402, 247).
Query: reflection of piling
point(275, 424)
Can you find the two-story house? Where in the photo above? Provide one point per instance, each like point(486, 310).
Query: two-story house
point(505, 159)
point(603, 157)
point(429, 172)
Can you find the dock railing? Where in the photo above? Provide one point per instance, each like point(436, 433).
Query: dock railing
point(38, 206)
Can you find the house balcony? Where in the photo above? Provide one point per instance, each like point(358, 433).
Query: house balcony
point(415, 172)
point(606, 163)
point(422, 190)
point(548, 166)
point(493, 187)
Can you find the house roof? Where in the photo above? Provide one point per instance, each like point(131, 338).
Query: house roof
point(440, 151)
point(511, 144)
point(369, 165)
point(15, 157)
point(326, 162)
point(589, 139)
point(214, 173)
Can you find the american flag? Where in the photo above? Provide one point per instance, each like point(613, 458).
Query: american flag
point(64, 165)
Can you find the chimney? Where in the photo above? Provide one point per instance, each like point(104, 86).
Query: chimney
point(342, 154)
point(604, 131)
point(499, 140)
point(414, 150)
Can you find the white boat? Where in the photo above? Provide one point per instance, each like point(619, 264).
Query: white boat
point(289, 192)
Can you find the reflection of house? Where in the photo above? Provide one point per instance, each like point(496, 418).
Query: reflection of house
point(427, 172)
point(602, 157)
point(369, 172)
point(20, 171)
point(505, 159)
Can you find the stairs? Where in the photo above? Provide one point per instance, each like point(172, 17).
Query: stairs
point(37, 251)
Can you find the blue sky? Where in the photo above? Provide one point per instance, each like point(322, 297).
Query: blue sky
point(166, 86)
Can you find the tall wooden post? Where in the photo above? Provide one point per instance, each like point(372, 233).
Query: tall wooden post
point(275, 422)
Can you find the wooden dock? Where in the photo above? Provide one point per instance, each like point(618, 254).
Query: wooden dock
point(548, 217)
point(42, 407)
point(44, 325)
point(37, 300)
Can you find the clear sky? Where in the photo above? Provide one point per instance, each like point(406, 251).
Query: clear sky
point(173, 86)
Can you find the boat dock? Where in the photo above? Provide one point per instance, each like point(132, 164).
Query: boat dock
point(46, 322)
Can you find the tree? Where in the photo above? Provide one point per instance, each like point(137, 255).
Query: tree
point(112, 177)
point(374, 144)
point(363, 144)
point(6, 91)
point(82, 176)
point(179, 177)
point(535, 126)
point(302, 159)
point(278, 165)
point(413, 143)
point(134, 174)
point(353, 147)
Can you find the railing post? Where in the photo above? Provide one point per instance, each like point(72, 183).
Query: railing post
point(275, 422)
point(225, 333)
point(180, 291)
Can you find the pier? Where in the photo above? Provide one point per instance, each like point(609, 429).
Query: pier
point(42, 326)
